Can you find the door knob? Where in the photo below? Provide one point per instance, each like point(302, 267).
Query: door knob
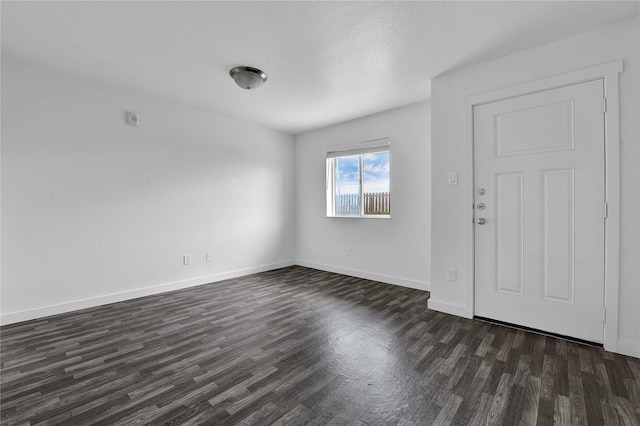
point(481, 221)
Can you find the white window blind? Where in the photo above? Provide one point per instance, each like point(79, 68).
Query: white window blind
point(377, 145)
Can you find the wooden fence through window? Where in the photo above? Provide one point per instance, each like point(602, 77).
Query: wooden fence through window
point(375, 203)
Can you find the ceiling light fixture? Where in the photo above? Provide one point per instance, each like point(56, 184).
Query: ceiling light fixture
point(248, 77)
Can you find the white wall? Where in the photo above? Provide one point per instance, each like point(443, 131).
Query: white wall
point(395, 250)
point(95, 211)
point(619, 41)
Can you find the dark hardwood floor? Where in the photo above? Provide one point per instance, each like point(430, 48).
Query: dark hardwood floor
point(300, 346)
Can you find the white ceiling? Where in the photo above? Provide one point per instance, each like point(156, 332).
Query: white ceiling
point(326, 61)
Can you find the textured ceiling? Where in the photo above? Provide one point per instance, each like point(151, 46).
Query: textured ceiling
point(326, 61)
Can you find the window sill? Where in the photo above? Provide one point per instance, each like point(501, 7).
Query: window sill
point(361, 217)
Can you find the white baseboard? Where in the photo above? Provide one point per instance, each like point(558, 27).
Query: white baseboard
point(448, 308)
point(75, 305)
point(628, 347)
point(418, 285)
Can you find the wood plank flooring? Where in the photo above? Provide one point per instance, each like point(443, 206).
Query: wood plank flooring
point(299, 346)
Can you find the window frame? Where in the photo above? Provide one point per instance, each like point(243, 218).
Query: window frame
point(359, 149)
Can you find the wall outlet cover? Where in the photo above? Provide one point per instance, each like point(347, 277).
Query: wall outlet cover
point(453, 178)
point(452, 274)
point(132, 118)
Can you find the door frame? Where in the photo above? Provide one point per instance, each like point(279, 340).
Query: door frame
point(609, 74)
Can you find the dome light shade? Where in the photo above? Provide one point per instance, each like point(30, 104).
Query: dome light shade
point(247, 77)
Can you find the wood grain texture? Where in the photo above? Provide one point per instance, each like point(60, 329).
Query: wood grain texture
point(297, 346)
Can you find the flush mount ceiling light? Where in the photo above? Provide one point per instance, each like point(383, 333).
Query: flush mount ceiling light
point(248, 77)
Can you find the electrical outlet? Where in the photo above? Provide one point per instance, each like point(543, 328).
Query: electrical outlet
point(453, 178)
point(452, 274)
point(186, 259)
point(208, 257)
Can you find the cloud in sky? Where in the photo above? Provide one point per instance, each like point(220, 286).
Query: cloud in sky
point(347, 174)
point(376, 172)
point(375, 176)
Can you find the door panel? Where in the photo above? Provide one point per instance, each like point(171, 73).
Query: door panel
point(557, 221)
point(540, 254)
point(509, 233)
point(513, 128)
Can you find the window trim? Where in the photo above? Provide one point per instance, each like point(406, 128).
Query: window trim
point(360, 148)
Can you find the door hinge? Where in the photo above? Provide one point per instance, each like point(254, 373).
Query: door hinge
point(604, 314)
point(605, 210)
point(604, 105)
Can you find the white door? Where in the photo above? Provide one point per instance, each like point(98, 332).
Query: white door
point(539, 186)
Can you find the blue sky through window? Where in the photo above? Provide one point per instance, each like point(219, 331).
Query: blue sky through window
point(375, 176)
point(348, 175)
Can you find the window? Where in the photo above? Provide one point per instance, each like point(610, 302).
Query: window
point(358, 180)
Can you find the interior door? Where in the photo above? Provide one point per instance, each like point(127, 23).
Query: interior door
point(539, 210)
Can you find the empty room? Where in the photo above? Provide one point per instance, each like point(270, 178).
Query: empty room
point(320, 213)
